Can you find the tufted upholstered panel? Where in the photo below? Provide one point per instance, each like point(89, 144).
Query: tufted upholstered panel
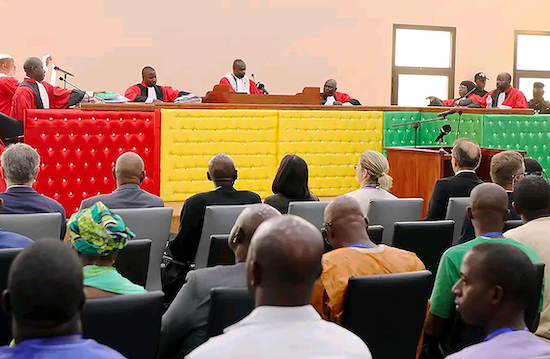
point(191, 137)
point(78, 150)
point(330, 142)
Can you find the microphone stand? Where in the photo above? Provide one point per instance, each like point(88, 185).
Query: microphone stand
point(458, 125)
point(416, 124)
point(67, 82)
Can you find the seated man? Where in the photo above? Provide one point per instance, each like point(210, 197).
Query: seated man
point(331, 97)
point(467, 97)
point(184, 323)
point(504, 169)
point(481, 81)
point(532, 203)
point(488, 211)
point(505, 96)
point(148, 91)
point(284, 261)
point(20, 166)
point(8, 83)
point(44, 299)
point(238, 81)
point(465, 159)
point(36, 93)
point(354, 254)
point(538, 103)
point(129, 174)
point(496, 281)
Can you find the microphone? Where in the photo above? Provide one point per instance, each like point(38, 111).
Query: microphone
point(62, 79)
point(259, 85)
point(57, 68)
point(446, 113)
point(445, 130)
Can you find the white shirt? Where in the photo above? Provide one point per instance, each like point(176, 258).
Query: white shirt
point(283, 332)
point(464, 171)
point(151, 95)
point(240, 85)
point(330, 100)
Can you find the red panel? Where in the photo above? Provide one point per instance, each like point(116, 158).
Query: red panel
point(79, 150)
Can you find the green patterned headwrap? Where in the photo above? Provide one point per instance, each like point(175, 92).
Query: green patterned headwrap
point(96, 231)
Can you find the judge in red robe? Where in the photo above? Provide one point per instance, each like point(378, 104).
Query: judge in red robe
point(8, 83)
point(505, 96)
point(331, 97)
point(238, 81)
point(467, 97)
point(148, 91)
point(35, 93)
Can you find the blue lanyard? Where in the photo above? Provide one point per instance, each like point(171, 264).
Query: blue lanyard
point(501, 331)
point(360, 245)
point(491, 234)
point(375, 187)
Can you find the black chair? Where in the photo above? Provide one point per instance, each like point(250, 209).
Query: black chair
point(219, 252)
point(376, 233)
point(133, 261)
point(511, 224)
point(128, 323)
point(6, 258)
point(10, 129)
point(227, 307)
point(387, 311)
point(428, 239)
point(532, 307)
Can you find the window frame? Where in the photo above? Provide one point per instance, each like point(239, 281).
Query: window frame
point(406, 70)
point(517, 74)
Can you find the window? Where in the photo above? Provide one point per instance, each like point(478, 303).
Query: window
point(423, 64)
point(532, 50)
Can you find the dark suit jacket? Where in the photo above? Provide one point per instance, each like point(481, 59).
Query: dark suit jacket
point(184, 246)
point(25, 200)
point(128, 195)
point(457, 186)
point(281, 202)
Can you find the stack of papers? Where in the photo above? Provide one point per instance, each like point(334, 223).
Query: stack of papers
point(110, 97)
point(190, 98)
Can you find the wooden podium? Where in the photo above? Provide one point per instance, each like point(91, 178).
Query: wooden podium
point(221, 94)
point(415, 170)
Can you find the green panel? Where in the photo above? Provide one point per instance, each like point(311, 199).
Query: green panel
point(529, 133)
point(399, 136)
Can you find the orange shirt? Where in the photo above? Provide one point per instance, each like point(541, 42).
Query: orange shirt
point(341, 264)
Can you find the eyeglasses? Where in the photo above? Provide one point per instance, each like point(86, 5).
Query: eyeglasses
point(324, 232)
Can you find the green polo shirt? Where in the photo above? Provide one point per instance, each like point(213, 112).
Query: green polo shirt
point(448, 273)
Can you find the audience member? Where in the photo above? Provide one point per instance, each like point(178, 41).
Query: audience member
point(532, 203)
point(465, 159)
point(20, 166)
point(488, 211)
point(97, 234)
point(223, 173)
point(538, 103)
point(12, 240)
point(330, 96)
point(44, 299)
point(504, 169)
point(467, 97)
point(290, 184)
point(129, 174)
point(505, 96)
point(184, 324)
point(283, 263)
point(496, 280)
point(354, 254)
point(533, 167)
point(371, 171)
point(481, 81)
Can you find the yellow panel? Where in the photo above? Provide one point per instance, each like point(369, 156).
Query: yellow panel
point(189, 138)
point(330, 142)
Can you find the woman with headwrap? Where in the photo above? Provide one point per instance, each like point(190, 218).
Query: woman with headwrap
point(97, 234)
point(467, 97)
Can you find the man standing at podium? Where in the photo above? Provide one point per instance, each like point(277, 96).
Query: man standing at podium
point(8, 83)
point(148, 91)
point(238, 81)
point(505, 96)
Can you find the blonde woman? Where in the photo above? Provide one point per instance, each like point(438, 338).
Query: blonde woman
point(372, 174)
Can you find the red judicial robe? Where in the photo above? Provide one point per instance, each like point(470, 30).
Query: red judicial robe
point(139, 92)
point(8, 86)
point(514, 98)
point(233, 82)
point(342, 97)
point(27, 96)
point(475, 98)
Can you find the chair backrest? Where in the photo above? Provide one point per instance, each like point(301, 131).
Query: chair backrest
point(217, 219)
point(388, 211)
point(456, 211)
point(511, 224)
point(128, 323)
point(428, 239)
point(387, 311)
point(133, 261)
point(376, 233)
point(154, 224)
point(532, 307)
point(227, 307)
point(219, 252)
point(36, 226)
point(6, 258)
point(313, 212)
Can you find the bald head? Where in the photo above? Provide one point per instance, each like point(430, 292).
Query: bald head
point(149, 76)
point(7, 65)
point(330, 87)
point(245, 226)
point(345, 223)
point(34, 68)
point(488, 208)
point(466, 155)
point(129, 169)
point(239, 68)
point(284, 261)
point(504, 81)
point(222, 170)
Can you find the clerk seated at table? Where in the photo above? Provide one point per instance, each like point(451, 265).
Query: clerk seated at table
point(505, 96)
point(467, 97)
point(331, 97)
point(149, 92)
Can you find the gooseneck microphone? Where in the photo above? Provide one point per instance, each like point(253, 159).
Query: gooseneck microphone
point(57, 68)
point(445, 130)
